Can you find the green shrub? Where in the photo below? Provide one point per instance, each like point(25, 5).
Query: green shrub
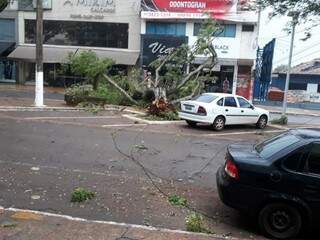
point(80, 195)
point(194, 223)
point(164, 116)
point(178, 201)
point(79, 90)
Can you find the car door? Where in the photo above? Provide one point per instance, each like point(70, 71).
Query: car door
point(249, 115)
point(311, 189)
point(232, 111)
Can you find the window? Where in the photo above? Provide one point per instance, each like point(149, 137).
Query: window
point(7, 33)
point(227, 30)
point(247, 28)
point(220, 102)
point(298, 86)
point(270, 147)
point(230, 102)
point(165, 28)
point(205, 98)
point(292, 162)
point(90, 34)
point(244, 103)
point(25, 5)
point(313, 163)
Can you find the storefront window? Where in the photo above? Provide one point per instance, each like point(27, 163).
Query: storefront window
point(227, 30)
point(89, 34)
point(7, 70)
point(165, 28)
point(7, 44)
point(220, 82)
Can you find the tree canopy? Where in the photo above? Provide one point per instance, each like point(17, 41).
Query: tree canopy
point(307, 9)
point(3, 4)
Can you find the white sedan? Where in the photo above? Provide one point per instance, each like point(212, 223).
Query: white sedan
point(221, 109)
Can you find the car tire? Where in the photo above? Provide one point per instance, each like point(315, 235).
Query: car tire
point(219, 123)
point(262, 122)
point(280, 221)
point(191, 123)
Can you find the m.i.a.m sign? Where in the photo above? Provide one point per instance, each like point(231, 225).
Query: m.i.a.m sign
point(95, 6)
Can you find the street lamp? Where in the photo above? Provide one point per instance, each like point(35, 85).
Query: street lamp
point(295, 17)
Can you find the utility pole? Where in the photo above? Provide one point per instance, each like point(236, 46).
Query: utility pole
point(295, 17)
point(38, 102)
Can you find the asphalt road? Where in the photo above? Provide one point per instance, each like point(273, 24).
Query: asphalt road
point(44, 156)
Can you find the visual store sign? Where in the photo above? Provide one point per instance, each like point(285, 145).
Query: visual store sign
point(95, 6)
point(155, 46)
point(213, 7)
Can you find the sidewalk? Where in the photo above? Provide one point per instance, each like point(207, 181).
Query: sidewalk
point(29, 225)
point(291, 111)
point(23, 96)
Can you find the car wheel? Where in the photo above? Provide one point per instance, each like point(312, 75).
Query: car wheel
point(262, 122)
point(191, 123)
point(280, 221)
point(219, 123)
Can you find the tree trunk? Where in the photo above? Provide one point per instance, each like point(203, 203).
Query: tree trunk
point(159, 93)
point(95, 83)
point(120, 89)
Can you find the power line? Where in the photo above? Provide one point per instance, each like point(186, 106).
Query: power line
point(297, 53)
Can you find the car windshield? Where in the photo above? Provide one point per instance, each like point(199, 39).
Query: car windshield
point(271, 146)
point(205, 98)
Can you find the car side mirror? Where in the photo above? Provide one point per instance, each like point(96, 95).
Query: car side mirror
point(252, 107)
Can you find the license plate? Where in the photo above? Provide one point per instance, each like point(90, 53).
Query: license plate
point(188, 107)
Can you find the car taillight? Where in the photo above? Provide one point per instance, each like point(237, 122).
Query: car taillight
point(202, 111)
point(231, 169)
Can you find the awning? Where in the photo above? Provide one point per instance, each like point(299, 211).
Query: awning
point(59, 54)
point(5, 48)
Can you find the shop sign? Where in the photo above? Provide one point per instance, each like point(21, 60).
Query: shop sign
point(215, 7)
point(156, 46)
point(95, 6)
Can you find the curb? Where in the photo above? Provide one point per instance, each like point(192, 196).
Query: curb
point(39, 109)
point(296, 114)
point(135, 226)
point(62, 109)
point(134, 118)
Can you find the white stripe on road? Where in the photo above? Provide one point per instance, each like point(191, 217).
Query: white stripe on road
point(53, 118)
point(123, 125)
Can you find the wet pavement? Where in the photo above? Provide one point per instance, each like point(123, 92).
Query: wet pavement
point(49, 154)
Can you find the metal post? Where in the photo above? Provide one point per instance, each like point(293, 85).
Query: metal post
point(39, 57)
point(294, 24)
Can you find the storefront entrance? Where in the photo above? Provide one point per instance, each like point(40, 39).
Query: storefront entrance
point(220, 82)
point(7, 71)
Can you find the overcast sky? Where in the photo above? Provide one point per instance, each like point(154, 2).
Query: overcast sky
point(303, 50)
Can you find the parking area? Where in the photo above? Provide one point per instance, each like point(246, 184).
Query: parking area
point(119, 120)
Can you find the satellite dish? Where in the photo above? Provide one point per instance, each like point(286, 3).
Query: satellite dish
point(3, 4)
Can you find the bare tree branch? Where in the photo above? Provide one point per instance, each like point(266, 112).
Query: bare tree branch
point(113, 83)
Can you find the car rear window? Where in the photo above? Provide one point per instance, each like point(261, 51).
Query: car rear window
point(270, 147)
point(205, 98)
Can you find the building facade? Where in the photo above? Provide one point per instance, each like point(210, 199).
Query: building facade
point(110, 28)
point(167, 23)
point(126, 30)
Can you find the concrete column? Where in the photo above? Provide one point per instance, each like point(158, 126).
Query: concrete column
point(235, 79)
point(21, 78)
point(143, 26)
